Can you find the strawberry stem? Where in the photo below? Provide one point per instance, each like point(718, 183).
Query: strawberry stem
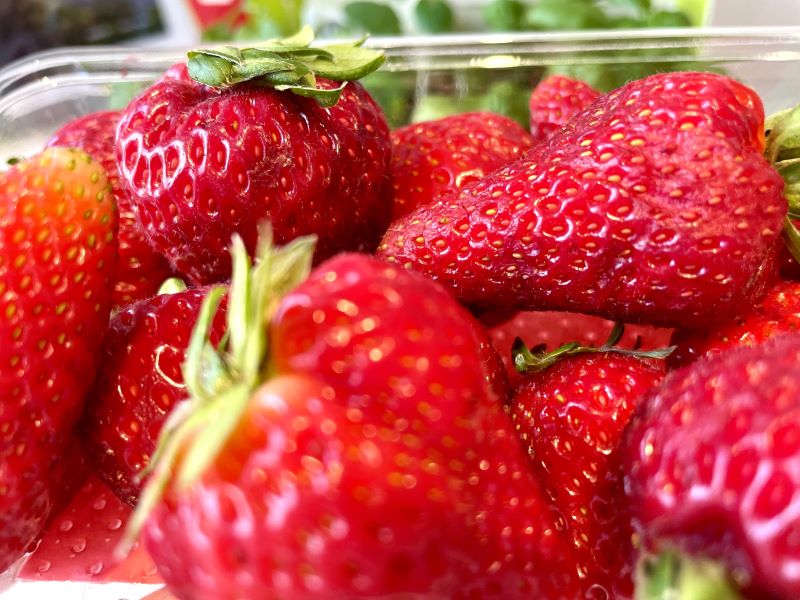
point(673, 577)
point(783, 152)
point(173, 285)
point(537, 359)
point(287, 64)
point(221, 380)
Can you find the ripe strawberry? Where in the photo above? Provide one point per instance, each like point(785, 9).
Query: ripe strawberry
point(622, 214)
point(202, 162)
point(140, 270)
point(79, 543)
point(57, 253)
point(570, 411)
point(554, 101)
point(711, 462)
point(375, 462)
point(140, 382)
point(554, 329)
point(446, 154)
point(778, 312)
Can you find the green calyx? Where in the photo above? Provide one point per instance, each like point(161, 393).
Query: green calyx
point(220, 380)
point(173, 285)
point(537, 359)
point(783, 152)
point(671, 576)
point(289, 64)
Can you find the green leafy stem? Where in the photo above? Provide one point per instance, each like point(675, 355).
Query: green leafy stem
point(290, 64)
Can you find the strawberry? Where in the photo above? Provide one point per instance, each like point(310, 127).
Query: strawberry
point(778, 312)
point(446, 154)
point(570, 411)
point(554, 329)
point(711, 465)
point(57, 253)
point(140, 270)
point(375, 461)
point(139, 384)
point(79, 543)
point(621, 214)
point(554, 101)
point(202, 162)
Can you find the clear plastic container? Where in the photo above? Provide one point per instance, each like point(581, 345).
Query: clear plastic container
point(42, 92)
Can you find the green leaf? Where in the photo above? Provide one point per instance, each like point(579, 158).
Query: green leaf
point(122, 93)
point(433, 16)
point(674, 577)
point(636, 7)
point(173, 285)
point(697, 11)
point(791, 237)
point(348, 64)
point(434, 106)
point(667, 18)
point(325, 97)
point(565, 15)
point(273, 17)
point(372, 17)
point(394, 92)
point(504, 15)
point(510, 99)
point(286, 64)
point(625, 22)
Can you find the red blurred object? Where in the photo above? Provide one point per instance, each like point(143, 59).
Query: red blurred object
point(209, 12)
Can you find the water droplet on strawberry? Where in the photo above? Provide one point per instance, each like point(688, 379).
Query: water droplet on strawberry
point(114, 524)
point(43, 566)
point(79, 546)
point(100, 504)
point(66, 525)
point(95, 568)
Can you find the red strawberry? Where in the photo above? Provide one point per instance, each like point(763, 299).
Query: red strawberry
point(554, 329)
point(712, 463)
point(79, 544)
point(554, 101)
point(375, 462)
point(446, 154)
point(140, 270)
point(140, 382)
point(622, 214)
point(57, 253)
point(778, 312)
point(202, 163)
point(570, 411)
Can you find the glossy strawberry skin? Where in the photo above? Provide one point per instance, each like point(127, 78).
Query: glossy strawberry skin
point(623, 214)
point(140, 382)
point(778, 312)
point(711, 463)
point(446, 154)
point(79, 543)
point(554, 329)
point(554, 101)
point(202, 164)
point(57, 253)
point(571, 417)
point(140, 269)
point(377, 462)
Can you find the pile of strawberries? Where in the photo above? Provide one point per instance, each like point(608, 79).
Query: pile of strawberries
point(393, 364)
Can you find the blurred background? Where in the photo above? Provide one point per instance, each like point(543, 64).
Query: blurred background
point(30, 25)
point(27, 26)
